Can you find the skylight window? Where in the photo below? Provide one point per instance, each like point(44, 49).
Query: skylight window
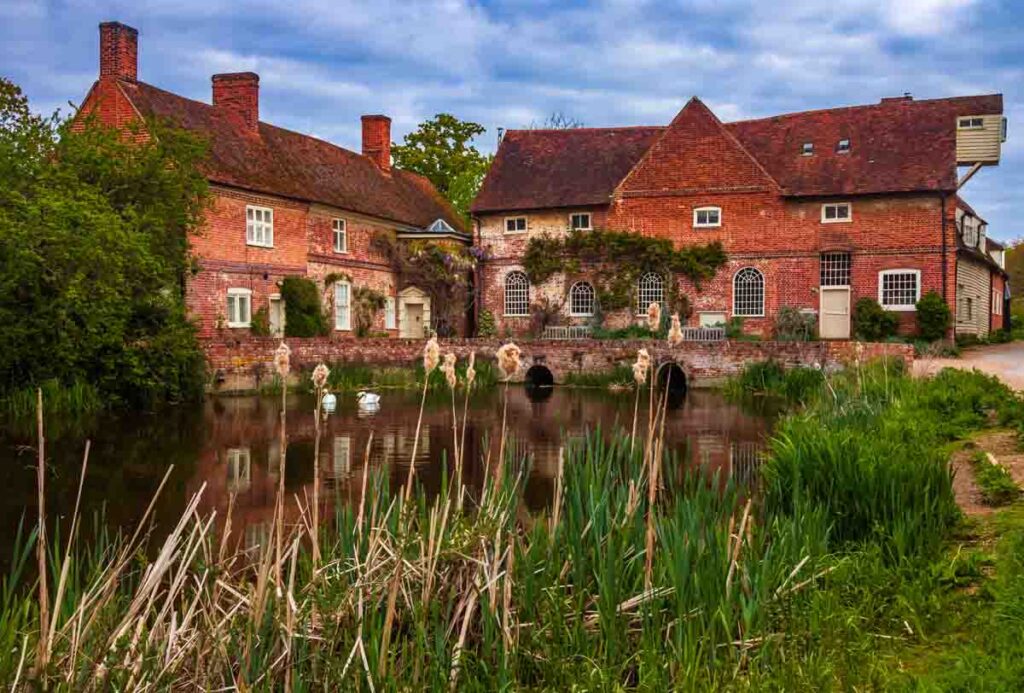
point(843, 146)
point(808, 148)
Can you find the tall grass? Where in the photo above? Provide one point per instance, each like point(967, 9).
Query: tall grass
point(464, 591)
point(74, 399)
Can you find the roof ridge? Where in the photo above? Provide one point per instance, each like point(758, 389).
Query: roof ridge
point(812, 111)
point(588, 129)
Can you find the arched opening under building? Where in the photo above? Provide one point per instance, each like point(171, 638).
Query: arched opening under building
point(672, 378)
point(540, 382)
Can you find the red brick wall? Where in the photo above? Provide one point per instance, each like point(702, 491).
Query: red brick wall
point(238, 362)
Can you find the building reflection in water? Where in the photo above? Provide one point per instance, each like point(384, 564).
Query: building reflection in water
point(240, 455)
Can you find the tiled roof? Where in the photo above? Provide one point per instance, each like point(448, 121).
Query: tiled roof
point(899, 145)
point(290, 164)
point(536, 169)
point(964, 205)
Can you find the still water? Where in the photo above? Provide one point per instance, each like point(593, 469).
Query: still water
point(229, 446)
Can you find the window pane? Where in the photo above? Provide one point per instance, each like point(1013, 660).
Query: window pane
point(835, 269)
point(899, 289)
point(650, 288)
point(748, 292)
point(517, 294)
point(232, 309)
point(581, 299)
point(842, 211)
point(341, 306)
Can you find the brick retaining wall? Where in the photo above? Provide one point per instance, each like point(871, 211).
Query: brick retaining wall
point(240, 363)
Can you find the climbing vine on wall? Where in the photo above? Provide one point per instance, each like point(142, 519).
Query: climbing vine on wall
point(442, 270)
point(620, 259)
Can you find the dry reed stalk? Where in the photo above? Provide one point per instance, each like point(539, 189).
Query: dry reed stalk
point(44, 597)
point(362, 492)
point(316, 481)
point(559, 480)
point(467, 617)
point(736, 546)
point(62, 582)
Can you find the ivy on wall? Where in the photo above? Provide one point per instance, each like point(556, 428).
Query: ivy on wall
point(302, 303)
point(622, 258)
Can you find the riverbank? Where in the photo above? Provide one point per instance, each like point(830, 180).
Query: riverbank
point(824, 576)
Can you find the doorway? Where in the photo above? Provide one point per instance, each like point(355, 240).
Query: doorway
point(413, 313)
point(835, 313)
point(413, 320)
point(276, 316)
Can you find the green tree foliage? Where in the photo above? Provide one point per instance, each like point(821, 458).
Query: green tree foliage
point(302, 305)
point(1015, 267)
point(933, 317)
point(94, 255)
point(871, 322)
point(441, 149)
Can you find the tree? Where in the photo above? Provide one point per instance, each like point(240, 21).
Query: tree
point(1015, 267)
point(558, 121)
point(441, 149)
point(94, 228)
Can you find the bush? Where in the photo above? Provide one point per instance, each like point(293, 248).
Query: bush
point(260, 323)
point(994, 481)
point(933, 317)
point(871, 322)
point(302, 304)
point(791, 325)
point(486, 325)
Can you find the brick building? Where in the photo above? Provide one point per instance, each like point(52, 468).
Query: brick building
point(815, 210)
point(283, 203)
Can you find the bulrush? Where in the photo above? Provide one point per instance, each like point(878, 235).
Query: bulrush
point(471, 369)
point(448, 368)
point(508, 359)
point(431, 355)
point(654, 316)
point(282, 360)
point(675, 332)
point(320, 374)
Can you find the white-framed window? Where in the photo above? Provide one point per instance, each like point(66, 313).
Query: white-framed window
point(515, 224)
point(843, 146)
point(342, 305)
point(239, 469)
point(711, 319)
point(899, 289)
point(748, 293)
point(835, 212)
point(580, 221)
point(517, 294)
point(390, 321)
point(707, 217)
point(581, 299)
point(650, 288)
point(239, 307)
point(835, 269)
point(972, 123)
point(340, 228)
point(997, 302)
point(807, 148)
point(259, 226)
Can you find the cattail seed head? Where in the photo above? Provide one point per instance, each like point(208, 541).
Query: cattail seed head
point(675, 332)
point(320, 374)
point(448, 368)
point(508, 359)
point(282, 360)
point(654, 316)
point(471, 369)
point(431, 355)
point(643, 358)
point(639, 374)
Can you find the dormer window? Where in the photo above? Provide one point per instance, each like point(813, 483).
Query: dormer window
point(842, 146)
point(973, 123)
point(807, 149)
point(707, 217)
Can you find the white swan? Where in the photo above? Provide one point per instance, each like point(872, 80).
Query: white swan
point(368, 399)
point(329, 402)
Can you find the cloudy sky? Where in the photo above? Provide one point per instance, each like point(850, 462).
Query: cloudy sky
point(322, 63)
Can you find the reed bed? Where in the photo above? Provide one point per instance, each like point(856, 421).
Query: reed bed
point(646, 573)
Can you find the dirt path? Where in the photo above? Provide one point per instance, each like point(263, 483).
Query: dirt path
point(1005, 361)
point(1000, 444)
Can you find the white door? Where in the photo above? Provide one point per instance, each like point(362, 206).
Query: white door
point(276, 316)
point(834, 316)
point(413, 327)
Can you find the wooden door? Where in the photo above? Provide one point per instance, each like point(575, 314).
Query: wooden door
point(834, 321)
point(413, 327)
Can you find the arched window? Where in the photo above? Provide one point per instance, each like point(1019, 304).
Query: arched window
point(581, 299)
point(748, 293)
point(517, 294)
point(650, 288)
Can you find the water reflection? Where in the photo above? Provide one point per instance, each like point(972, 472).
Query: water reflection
point(232, 447)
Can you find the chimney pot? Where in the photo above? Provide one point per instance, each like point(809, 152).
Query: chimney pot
point(377, 140)
point(119, 51)
point(237, 96)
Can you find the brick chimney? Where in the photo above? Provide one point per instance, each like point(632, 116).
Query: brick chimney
point(377, 140)
point(237, 96)
point(119, 51)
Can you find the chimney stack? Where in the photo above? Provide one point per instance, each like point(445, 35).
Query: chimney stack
point(377, 140)
point(237, 96)
point(119, 51)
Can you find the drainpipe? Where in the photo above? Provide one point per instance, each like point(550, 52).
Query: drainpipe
point(944, 271)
